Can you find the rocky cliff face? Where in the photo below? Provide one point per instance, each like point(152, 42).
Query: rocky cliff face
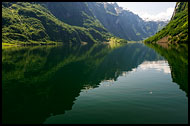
point(124, 23)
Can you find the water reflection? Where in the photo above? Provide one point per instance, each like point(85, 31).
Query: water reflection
point(42, 81)
point(177, 57)
point(156, 65)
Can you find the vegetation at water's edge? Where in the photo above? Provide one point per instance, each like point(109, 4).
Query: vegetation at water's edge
point(176, 31)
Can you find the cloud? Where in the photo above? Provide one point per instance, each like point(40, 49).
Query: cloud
point(162, 16)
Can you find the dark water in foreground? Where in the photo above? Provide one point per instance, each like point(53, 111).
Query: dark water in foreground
point(132, 83)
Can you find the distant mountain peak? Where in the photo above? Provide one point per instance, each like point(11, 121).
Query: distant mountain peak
point(115, 4)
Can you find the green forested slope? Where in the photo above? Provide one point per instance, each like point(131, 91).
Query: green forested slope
point(24, 22)
point(44, 22)
point(176, 31)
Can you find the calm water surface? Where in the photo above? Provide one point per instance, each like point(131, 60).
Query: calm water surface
point(132, 83)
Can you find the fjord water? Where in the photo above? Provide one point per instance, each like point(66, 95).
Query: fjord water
point(100, 83)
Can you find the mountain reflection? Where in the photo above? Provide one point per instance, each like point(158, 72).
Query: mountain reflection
point(42, 81)
point(177, 57)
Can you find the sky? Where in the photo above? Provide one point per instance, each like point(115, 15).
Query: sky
point(150, 10)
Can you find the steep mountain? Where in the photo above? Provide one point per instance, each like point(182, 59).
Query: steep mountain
point(24, 22)
point(176, 31)
point(124, 23)
point(72, 22)
point(75, 14)
point(101, 15)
